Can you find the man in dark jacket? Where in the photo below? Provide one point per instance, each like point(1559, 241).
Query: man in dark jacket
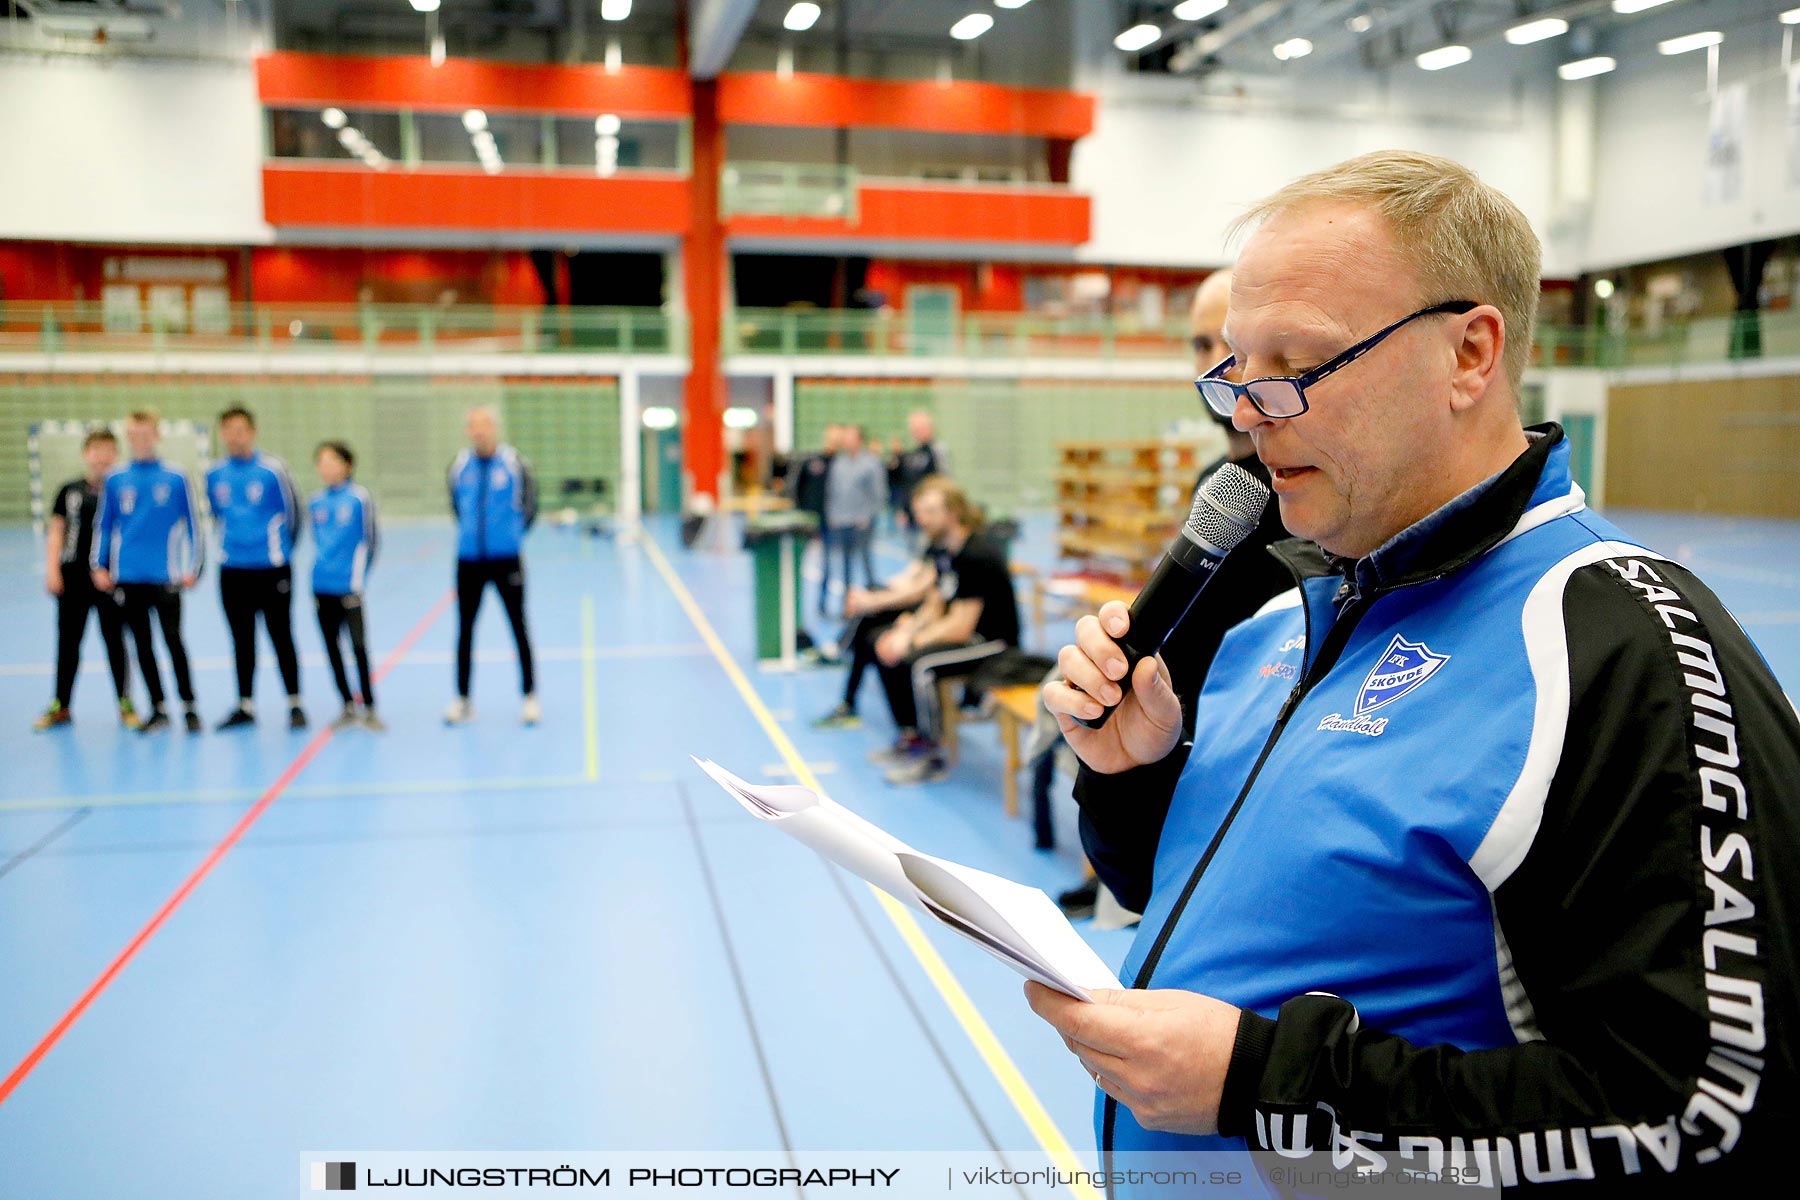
point(1481, 859)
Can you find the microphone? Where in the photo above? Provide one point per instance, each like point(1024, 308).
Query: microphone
point(1227, 507)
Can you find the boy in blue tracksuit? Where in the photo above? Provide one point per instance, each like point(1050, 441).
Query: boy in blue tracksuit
point(344, 533)
point(147, 549)
point(258, 511)
point(494, 496)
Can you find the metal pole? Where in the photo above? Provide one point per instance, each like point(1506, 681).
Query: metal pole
point(631, 448)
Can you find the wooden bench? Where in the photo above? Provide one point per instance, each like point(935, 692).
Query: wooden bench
point(1015, 708)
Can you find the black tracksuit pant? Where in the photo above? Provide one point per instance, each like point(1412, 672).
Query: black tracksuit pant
point(246, 592)
point(138, 601)
point(72, 607)
point(859, 638)
point(338, 615)
point(472, 578)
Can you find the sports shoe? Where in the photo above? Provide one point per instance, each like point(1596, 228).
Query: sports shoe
point(296, 717)
point(373, 723)
point(1078, 902)
point(530, 713)
point(158, 723)
point(926, 767)
point(906, 747)
point(349, 717)
point(128, 717)
point(841, 717)
point(193, 722)
point(240, 718)
point(460, 712)
point(53, 716)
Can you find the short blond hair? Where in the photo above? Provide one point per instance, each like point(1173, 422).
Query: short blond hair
point(145, 416)
point(1466, 240)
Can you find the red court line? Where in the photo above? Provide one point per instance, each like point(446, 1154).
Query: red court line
point(30, 1061)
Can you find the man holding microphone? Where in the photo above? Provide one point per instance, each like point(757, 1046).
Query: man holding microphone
point(1483, 857)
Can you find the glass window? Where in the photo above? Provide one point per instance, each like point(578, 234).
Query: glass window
point(608, 143)
point(477, 138)
point(334, 134)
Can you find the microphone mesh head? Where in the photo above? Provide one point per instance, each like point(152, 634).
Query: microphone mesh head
point(1227, 507)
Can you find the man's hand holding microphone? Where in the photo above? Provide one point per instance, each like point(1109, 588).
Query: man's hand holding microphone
point(1116, 703)
point(1147, 722)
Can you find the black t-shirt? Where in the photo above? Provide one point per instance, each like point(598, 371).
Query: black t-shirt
point(78, 505)
point(979, 572)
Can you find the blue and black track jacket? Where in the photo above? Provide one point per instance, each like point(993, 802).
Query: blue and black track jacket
point(495, 501)
point(258, 510)
point(1497, 844)
point(148, 528)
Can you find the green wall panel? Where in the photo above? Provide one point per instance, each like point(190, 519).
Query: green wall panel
point(404, 431)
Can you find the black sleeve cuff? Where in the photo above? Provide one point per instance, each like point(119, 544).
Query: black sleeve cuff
point(1249, 1055)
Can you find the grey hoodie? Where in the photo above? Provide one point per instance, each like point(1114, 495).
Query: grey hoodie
point(855, 489)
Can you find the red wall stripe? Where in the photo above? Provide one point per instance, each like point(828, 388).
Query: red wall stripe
point(941, 214)
point(830, 101)
point(450, 199)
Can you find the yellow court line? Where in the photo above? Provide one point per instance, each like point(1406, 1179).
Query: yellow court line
point(590, 688)
point(1037, 1118)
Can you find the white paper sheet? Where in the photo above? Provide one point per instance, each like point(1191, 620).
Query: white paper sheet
point(1019, 925)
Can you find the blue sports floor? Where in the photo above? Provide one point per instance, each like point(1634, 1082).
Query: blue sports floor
point(230, 948)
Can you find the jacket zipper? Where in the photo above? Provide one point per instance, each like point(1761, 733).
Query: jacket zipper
point(481, 491)
point(1335, 641)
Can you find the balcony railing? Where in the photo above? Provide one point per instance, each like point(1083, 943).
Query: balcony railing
point(918, 333)
point(69, 328)
point(421, 330)
point(772, 189)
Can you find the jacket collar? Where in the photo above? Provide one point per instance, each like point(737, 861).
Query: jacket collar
point(1456, 534)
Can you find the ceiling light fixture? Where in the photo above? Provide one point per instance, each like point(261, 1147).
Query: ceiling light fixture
point(1137, 37)
point(801, 17)
point(971, 27)
point(1444, 56)
point(1198, 10)
point(1586, 68)
point(1528, 32)
point(1627, 7)
point(1692, 41)
point(614, 10)
point(1293, 48)
point(1790, 17)
point(425, 6)
point(1012, 3)
point(1360, 23)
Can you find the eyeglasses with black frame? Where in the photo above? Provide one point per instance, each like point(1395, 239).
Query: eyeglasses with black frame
point(1283, 396)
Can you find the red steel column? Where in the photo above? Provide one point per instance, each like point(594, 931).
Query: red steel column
point(703, 277)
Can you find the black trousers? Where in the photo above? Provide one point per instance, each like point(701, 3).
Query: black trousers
point(138, 601)
point(78, 597)
point(338, 614)
point(472, 578)
point(246, 592)
point(859, 638)
point(911, 684)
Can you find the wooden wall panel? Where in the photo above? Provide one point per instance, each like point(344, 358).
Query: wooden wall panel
point(1722, 446)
